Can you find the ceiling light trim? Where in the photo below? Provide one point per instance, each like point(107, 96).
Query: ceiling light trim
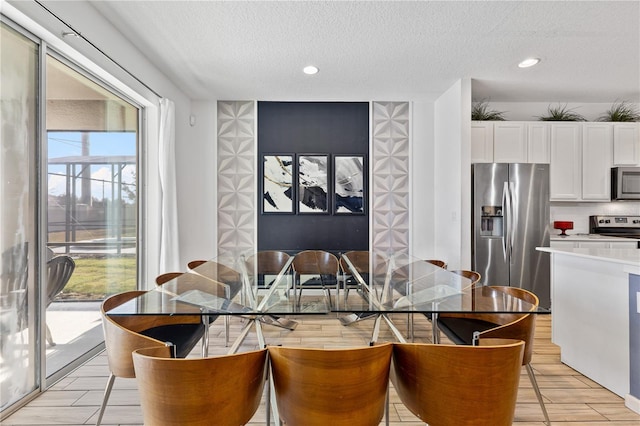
point(529, 62)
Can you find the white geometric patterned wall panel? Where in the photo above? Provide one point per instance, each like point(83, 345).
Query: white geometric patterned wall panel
point(390, 182)
point(236, 177)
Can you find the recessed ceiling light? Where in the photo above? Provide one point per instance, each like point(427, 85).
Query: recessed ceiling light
point(310, 70)
point(529, 62)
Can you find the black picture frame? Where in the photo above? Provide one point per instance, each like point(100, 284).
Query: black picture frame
point(349, 184)
point(278, 183)
point(313, 184)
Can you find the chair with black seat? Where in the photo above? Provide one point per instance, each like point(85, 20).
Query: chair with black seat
point(124, 334)
point(59, 271)
point(460, 328)
point(331, 386)
point(182, 282)
point(449, 385)
point(323, 266)
point(223, 390)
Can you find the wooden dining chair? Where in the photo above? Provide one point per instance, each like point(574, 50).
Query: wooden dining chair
point(124, 334)
point(322, 265)
point(264, 263)
point(438, 263)
point(473, 276)
point(460, 328)
point(449, 385)
point(223, 390)
point(181, 282)
point(319, 387)
point(360, 261)
point(218, 272)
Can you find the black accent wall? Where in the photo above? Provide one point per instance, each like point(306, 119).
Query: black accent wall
point(313, 128)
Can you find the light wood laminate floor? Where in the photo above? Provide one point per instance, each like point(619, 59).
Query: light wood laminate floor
point(571, 398)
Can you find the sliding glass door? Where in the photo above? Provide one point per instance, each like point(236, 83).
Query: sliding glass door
point(19, 128)
point(69, 203)
point(92, 204)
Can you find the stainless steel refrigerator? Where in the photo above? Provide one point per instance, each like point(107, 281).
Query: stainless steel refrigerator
point(510, 219)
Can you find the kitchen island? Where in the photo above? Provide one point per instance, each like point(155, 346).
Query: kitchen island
point(594, 305)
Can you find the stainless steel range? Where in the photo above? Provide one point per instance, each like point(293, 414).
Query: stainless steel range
point(615, 226)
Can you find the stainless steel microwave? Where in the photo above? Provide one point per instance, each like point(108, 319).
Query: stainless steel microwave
point(625, 183)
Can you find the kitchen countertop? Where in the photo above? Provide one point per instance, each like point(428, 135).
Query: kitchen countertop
point(590, 237)
point(625, 256)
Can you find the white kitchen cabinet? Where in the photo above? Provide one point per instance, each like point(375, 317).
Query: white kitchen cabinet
point(624, 245)
point(565, 170)
point(593, 244)
point(482, 142)
point(626, 144)
point(538, 142)
point(509, 142)
point(597, 152)
point(562, 244)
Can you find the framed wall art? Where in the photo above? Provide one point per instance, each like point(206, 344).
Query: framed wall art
point(277, 184)
point(313, 188)
point(349, 184)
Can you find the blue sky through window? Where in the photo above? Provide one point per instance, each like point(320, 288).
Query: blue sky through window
point(64, 144)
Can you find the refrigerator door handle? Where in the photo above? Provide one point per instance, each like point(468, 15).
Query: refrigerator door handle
point(505, 215)
point(513, 218)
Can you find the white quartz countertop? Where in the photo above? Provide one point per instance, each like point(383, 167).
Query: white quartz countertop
point(624, 256)
point(589, 237)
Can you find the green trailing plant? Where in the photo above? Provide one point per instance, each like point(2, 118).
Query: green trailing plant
point(561, 113)
point(621, 111)
point(480, 112)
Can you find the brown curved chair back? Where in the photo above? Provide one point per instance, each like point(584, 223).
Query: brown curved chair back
point(167, 276)
point(439, 263)
point(359, 259)
point(121, 336)
point(215, 271)
point(224, 390)
point(471, 275)
point(315, 262)
point(514, 326)
point(268, 262)
point(331, 386)
point(452, 385)
point(195, 263)
point(183, 282)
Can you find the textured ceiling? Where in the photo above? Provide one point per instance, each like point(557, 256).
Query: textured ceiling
point(391, 50)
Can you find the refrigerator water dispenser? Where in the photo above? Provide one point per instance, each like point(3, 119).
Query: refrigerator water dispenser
point(491, 221)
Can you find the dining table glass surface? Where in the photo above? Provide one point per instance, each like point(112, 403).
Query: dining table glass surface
point(391, 282)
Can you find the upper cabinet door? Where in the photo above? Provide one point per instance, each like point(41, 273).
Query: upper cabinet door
point(509, 142)
point(482, 142)
point(566, 162)
point(538, 142)
point(597, 152)
point(626, 144)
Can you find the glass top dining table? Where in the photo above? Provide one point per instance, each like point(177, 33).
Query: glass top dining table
point(390, 282)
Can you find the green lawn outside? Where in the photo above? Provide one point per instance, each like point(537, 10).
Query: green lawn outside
point(97, 277)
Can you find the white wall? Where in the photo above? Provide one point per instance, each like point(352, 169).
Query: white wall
point(422, 181)
point(196, 158)
point(452, 174)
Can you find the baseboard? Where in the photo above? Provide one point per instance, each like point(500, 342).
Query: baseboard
point(632, 403)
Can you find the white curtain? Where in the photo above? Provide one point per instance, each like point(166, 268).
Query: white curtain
point(169, 250)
